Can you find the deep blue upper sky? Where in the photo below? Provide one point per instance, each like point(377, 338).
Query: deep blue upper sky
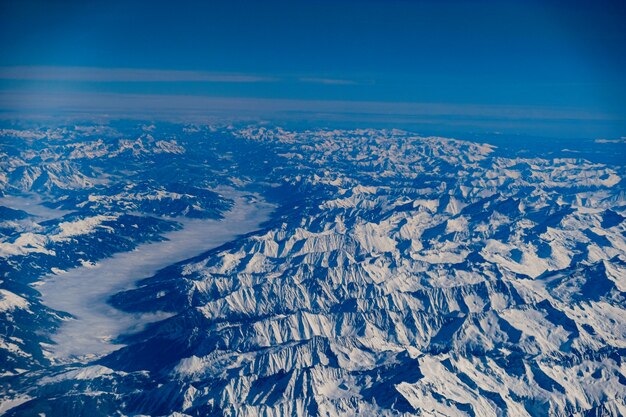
point(567, 57)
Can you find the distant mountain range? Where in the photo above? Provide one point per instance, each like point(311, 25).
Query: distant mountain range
point(399, 275)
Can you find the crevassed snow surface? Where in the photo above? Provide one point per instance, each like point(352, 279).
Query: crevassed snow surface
point(83, 292)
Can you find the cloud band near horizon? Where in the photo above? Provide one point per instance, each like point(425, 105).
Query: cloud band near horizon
point(130, 75)
point(430, 117)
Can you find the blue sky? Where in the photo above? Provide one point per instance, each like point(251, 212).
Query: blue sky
point(517, 62)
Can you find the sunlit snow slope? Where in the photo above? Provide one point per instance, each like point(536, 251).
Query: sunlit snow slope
point(399, 276)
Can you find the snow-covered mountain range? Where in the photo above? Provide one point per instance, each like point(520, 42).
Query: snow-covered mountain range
point(399, 275)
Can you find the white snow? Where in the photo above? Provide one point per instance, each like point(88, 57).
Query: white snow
point(7, 404)
point(86, 373)
point(83, 291)
point(82, 226)
point(10, 301)
point(25, 243)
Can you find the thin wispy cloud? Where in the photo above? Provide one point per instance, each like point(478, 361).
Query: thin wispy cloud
point(97, 74)
point(426, 117)
point(327, 81)
point(257, 96)
point(134, 75)
point(19, 100)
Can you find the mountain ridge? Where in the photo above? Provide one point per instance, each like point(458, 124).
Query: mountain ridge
point(400, 275)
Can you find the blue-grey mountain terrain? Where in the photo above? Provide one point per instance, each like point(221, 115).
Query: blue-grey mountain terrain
point(397, 275)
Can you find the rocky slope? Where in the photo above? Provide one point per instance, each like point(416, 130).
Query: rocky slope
point(401, 275)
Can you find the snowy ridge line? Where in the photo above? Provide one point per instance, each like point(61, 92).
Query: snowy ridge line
point(401, 275)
